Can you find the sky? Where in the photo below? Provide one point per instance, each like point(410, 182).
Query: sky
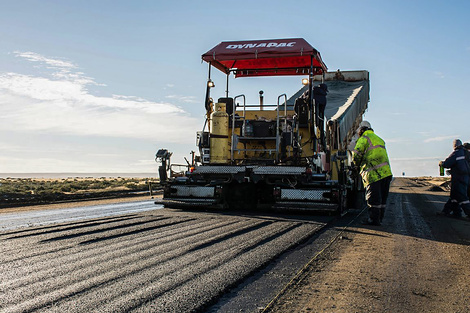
point(100, 86)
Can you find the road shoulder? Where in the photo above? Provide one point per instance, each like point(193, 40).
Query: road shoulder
point(414, 262)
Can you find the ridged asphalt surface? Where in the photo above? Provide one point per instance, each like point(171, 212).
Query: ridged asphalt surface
point(152, 261)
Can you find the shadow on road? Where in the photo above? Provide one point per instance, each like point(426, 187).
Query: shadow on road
point(412, 211)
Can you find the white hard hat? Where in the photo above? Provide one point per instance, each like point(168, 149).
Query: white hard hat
point(361, 125)
point(365, 124)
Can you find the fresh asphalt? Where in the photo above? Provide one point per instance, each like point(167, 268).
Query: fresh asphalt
point(139, 257)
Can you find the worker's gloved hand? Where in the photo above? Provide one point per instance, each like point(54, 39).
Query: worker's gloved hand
point(441, 163)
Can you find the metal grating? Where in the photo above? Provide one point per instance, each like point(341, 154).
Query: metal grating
point(194, 191)
point(279, 170)
point(306, 206)
point(259, 170)
point(299, 194)
point(220, 169)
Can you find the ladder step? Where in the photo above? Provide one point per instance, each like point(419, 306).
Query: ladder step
point(256, 138)
point(256, 150)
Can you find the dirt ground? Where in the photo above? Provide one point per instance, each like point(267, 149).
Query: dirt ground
point(415, 262)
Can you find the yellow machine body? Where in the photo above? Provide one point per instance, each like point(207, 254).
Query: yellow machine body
point(254, 146)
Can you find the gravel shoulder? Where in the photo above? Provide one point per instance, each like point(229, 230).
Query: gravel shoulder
point(415, 262)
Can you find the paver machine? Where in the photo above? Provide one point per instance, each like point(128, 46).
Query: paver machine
point(292, 154)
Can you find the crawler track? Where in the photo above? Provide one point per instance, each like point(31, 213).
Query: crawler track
point(160, 261)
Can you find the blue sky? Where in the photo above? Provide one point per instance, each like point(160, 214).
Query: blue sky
point(99, 86)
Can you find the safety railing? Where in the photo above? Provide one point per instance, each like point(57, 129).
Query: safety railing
point(246, 132)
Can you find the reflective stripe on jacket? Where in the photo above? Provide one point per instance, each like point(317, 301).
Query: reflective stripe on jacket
point(371, 157)
point(457, 162)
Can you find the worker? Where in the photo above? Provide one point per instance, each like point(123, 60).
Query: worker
point(319, 94)
point(459, 167)
point(370, 156)
point(467, 146)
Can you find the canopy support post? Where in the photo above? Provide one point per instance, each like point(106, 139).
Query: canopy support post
point(208, 91)
point(226, 88)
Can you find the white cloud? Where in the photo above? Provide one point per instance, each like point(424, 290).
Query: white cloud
point(45, 165)
point(187, 99)
point(12, 148)
point(62, 103)
point(146, 163)
point(34, 57)
point(415, 159)
point(439, 74)
point(441, 138)
point(397, 139)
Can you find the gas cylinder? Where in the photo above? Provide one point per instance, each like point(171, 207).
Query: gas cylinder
point(219, 148)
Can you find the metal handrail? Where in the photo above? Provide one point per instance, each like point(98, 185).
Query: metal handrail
point(258, 106)
point(179, 173)
point(278, 139)
point(233, 147)
point(278, 133)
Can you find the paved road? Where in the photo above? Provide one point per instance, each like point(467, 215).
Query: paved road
point(152, 259)
point(10, 221)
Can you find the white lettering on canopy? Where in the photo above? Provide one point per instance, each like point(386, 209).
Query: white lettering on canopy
point(261, 45)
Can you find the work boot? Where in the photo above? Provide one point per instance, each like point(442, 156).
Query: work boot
point(457, 212)
point(449, 206)
point(466, 208)
point(374, 215)
point(382, 214)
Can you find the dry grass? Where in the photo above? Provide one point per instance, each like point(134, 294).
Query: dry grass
point(30, 190)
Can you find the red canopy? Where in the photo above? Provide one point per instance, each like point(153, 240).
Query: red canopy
point(266, 57)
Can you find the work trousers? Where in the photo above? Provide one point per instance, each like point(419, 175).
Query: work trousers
point(458, 196)
point(376, 198)
point(321, 122)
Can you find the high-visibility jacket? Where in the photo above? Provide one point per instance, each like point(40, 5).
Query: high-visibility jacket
point(371, 157)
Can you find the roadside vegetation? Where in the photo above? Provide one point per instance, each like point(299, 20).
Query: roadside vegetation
point(14, 191)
